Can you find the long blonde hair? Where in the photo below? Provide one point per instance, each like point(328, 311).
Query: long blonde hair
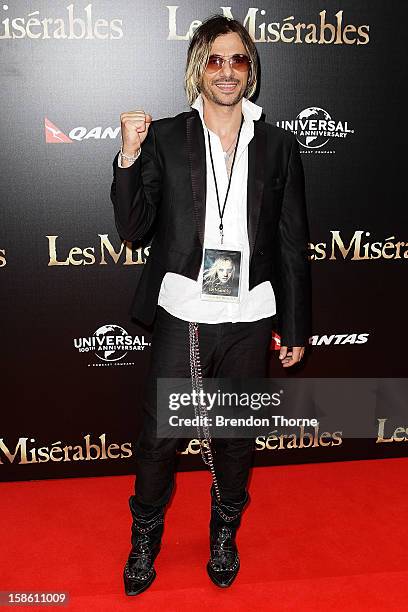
point(199, 51)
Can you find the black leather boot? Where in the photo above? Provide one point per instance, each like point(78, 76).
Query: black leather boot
point(223, 565)
point(147, 531)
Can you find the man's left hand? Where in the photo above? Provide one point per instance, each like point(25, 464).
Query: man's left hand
point(291, 355)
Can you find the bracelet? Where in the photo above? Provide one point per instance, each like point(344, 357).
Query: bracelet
point(129, 157)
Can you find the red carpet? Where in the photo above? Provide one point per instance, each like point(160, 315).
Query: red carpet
point(314, 537)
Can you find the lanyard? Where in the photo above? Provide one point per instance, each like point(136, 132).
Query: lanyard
point(221, 212)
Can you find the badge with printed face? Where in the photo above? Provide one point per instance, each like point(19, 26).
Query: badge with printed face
point(221, 275)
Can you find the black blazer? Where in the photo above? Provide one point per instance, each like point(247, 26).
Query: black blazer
point(166, 189)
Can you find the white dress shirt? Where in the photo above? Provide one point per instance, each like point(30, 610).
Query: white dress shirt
point(181, 296)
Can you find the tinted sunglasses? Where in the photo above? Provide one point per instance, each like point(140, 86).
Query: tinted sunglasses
point(238, 62)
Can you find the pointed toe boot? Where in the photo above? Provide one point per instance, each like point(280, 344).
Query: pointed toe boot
point(224, 562)
point(147, 531)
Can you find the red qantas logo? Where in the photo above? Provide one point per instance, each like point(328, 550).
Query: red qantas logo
point(53, 134)
point(324, 340)
point(275, 342)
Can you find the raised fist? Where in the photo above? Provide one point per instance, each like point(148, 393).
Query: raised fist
point(134, 126)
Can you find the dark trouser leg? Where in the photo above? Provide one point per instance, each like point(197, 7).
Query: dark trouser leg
point(243, 352)
point(155, 457)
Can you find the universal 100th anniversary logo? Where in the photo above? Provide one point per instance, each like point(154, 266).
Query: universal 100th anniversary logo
point(110, 343)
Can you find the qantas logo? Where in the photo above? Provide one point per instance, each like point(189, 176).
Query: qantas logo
point(53, 134)
point(324, 340)
point(275, 342)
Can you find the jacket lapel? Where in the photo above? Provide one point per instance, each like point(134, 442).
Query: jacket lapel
point(197, 161)
point(256, 174)
point(256, 177)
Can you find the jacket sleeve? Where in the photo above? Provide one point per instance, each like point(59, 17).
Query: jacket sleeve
point(136, 191)
point(294, 296)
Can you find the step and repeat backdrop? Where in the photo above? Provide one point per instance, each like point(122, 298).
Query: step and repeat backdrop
point(73, 362)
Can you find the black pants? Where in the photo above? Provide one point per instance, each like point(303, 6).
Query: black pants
point(238, 350)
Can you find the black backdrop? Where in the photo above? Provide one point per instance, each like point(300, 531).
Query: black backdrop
point(68, 71)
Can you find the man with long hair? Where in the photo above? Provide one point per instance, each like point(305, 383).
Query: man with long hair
point(212, 178)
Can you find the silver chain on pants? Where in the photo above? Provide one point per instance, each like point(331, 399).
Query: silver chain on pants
point(200, 409)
